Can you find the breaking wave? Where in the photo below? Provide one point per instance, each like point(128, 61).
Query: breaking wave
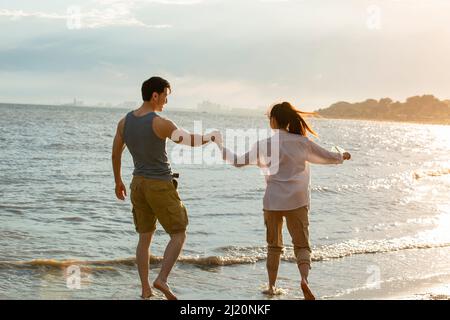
point(234, 255)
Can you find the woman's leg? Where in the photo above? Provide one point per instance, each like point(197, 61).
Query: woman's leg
point(274, 225)
point(297, 224)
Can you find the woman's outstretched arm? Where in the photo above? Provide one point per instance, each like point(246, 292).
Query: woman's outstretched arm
point(248, 158)
point(318, 155)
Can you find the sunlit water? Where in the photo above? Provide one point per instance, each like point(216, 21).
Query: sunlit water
point(384, 215)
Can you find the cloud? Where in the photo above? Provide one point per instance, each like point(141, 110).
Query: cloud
point(100, 14)
point(169, 2)
point(18, 14)
point(104, 13)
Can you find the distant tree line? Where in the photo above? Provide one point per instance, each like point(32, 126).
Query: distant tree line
point(426, 108)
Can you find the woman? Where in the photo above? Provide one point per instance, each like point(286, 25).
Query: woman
point(284, 157)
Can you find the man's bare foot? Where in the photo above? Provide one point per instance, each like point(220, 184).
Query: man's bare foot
point(146, 293)
point(306, 291)
point(164, 288)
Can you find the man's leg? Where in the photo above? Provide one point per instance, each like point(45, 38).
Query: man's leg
point(142, 260)
point(274, 226)
point(172, 215)
point(171, 254)
point(145, 223)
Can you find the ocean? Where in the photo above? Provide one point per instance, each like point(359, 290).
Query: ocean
point(379, 223)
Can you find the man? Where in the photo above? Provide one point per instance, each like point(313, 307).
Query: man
point(153, 194)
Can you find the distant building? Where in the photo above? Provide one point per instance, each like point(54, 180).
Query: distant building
point(104, 105)
point(75, 103)
point(210, 107)
point(127, 104)
point(248, 111)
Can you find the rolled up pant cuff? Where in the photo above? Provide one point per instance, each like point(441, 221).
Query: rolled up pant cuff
point(275, 250)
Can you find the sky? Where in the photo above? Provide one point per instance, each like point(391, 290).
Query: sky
point(239, 53)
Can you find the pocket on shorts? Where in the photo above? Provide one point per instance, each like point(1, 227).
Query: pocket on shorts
point(177, 218)
point(134, 192)
point(174, 193)
point(134, 218)
point(135, 183)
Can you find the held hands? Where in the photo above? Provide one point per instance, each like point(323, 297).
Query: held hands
point(214, 136)
point(346, 156)
point(121, 191)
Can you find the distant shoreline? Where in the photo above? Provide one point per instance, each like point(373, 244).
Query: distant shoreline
point(320, 116)
point(425, 109)
point(61, 106)
point(423, 122)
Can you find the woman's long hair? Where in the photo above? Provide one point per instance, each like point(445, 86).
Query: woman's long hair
point(289, 118)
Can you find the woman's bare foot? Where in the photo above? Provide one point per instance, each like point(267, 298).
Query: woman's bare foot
point(270, 291)
point(147, 293)
point(306, 291)
point(164, 288)
point(274, 291)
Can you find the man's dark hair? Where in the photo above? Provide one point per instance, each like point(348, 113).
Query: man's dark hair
point(154, 84)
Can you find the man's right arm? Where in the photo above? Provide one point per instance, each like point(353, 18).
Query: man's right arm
point(167, 129)
point(117, 150)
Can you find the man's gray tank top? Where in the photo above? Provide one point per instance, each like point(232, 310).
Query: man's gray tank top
point(147, 149)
